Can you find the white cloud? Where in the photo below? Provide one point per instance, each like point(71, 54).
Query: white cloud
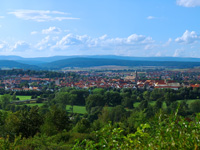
point(151, 17)
point(41, 15)
point(2, 44)
point(44, 43)
point(134, 38)
point(158, 54)
point(103, 42)
point(188, 3)
point(179, 53)
point(188, 37)
point(34, 32)
point(149, 46)
point(103, 37)
point(168, 42)
point(72, 44)
point(21, 46)
point(1, 17)
point(71, 40)
point(52, 30)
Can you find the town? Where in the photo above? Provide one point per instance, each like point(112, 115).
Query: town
point(19, 80)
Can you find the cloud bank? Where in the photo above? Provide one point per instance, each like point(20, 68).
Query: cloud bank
point(41, 15)
point(188, 3)
point(188, 37)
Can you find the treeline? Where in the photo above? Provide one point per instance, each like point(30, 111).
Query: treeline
point(95, 99)
point(92, 62)
point(42, 73)
point(26, 93)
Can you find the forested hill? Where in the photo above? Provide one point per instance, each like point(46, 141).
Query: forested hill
point(92, 62)
point(14, 64)
point(83, 62)
point(40, 60)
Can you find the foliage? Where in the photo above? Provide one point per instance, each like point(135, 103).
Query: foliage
point(56, 120)
point(162, 132)
point(162, 119)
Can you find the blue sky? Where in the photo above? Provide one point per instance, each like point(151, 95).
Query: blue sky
point(108, 27)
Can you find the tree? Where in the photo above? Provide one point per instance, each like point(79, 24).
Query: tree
point(98, 91)
point(169, 98)
point(26, 123)
point(72, 101)
point(117, 113)
point(56, 120)
point(159, 103)
point(146, 95)
point(83, 126)
point(93, 101)
point(14, 96)
point(183, 109)
point(195, 106)
point(113, 98)
point(81, 96)
point(64, 98)
point(127, 102)
point(143, 105)
point(155, 95)
point(5, 100)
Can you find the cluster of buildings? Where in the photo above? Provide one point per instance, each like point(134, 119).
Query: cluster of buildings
point(127, 80)
point(24, 83)
point(96, 79)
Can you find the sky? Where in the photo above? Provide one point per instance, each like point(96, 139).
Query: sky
point(139, 28)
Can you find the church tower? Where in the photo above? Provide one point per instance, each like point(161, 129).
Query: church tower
point(136, 77)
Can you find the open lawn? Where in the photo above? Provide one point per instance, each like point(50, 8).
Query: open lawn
point(35, 104)
point(22, 97)
point(77, 109)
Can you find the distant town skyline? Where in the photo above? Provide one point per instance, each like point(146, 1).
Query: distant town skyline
point(108, 27)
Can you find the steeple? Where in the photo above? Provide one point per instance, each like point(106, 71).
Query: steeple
point(136, 76)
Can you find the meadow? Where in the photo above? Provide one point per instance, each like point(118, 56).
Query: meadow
point(76, 109)
point(22, 97)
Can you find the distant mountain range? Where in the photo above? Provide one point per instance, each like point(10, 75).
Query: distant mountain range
point(59, 62)
point(14, 64)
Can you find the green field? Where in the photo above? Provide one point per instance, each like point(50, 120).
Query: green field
point(164, 104)
point(22, 97)
point(77, 109)
point(35, 104)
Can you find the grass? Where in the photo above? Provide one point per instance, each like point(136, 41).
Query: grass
point(21, 98)
point(35, 104)
point(77, 109)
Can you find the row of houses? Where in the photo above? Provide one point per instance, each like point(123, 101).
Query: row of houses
point(89, 81)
